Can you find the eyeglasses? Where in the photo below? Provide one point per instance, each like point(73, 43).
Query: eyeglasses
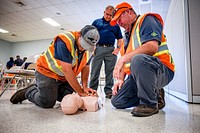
point(108, 14)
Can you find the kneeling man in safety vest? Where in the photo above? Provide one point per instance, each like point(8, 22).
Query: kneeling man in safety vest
point(58, 67)
point(145, 60)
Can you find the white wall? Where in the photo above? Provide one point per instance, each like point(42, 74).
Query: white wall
point(182, 30)
point(5, 50)
point(8, 49)
point(177, 42)
point(30, 47)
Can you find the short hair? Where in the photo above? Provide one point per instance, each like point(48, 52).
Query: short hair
point(110, 7)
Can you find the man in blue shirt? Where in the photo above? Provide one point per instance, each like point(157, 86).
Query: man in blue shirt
point(10, 63)
point(18, 61)
point(105, 51)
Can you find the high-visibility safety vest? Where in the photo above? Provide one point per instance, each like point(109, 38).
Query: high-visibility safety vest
point(134, 42)
point(51, 67)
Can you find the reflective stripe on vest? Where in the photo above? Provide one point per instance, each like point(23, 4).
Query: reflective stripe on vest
point(135, 35)
point(133, 44)
point(71, 38)
point(51, 61)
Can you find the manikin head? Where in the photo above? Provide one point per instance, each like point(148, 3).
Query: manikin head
point(71, 103)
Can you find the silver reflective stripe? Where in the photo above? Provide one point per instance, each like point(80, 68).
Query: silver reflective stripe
point(52, 63)
point(136, 36)
point(71, 37)
point(74, 52)
point(136, 44)
point(162, 47)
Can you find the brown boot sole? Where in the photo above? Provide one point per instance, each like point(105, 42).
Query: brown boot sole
point(140, 114)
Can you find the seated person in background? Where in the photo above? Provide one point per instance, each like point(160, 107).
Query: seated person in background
point(18, 61)
point(27, 63)
point(24, 59)
point(10, 63)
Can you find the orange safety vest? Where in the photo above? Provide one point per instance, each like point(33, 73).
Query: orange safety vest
point(51, 67)
point(163, 51)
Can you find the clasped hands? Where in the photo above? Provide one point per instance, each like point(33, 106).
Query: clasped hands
point(88, 92)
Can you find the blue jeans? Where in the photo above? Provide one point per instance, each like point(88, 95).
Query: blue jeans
point(148, 75)
point(47, 91)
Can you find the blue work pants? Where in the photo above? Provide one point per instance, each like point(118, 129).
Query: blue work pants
point(148, 75)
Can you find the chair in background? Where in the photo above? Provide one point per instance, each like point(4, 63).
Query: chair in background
point(23, 77)
point(1, 73)
point(30, 79)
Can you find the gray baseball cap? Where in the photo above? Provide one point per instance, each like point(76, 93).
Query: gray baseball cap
point(89, 37)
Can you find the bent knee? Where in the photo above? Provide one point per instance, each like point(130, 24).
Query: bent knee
point(116, 103)
point(46, 104)
point(137, 59)
point(137, 62)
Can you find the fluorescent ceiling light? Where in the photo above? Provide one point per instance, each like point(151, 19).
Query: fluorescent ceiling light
point(51, 22)
point(3, 31)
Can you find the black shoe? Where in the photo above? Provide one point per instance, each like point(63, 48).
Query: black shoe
point(109, 95)
point(161, 99)
point(144, 110)
point(19, 96)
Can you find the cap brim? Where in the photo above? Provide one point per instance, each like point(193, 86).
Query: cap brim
point(113, 22)
point(86, 46)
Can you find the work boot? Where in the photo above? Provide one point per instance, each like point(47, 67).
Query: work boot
point(161, 99)
point(19, 96)
point(143, 110)
point(109, 95)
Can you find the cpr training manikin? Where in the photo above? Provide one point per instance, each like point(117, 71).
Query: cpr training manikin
point(71, 103)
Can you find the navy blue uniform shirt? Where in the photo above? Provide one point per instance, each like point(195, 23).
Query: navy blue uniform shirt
point(150, 25)
point(62, 53)
point(108, 33)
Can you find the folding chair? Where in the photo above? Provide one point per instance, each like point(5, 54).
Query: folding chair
point(30, 78)
point(21, 73)
point(1, 73)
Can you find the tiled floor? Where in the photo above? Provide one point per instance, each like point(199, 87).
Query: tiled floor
point(177, 117)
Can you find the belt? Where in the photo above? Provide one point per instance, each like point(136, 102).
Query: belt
point(105, 45)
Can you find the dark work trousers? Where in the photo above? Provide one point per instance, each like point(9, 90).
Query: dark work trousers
point(103, 54)
point(47, 91)
point(148, 75)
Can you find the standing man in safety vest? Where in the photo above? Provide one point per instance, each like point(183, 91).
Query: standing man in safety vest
point(58, 67)
point(145, 59)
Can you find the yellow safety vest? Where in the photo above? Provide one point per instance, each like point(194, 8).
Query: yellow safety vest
point(51, 67)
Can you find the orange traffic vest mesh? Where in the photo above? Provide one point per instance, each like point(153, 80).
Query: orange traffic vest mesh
point(163, 51)
point(51, 67)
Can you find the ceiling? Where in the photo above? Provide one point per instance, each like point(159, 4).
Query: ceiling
point(25, 23)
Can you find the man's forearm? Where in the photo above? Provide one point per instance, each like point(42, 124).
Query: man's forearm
point(84, 76)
